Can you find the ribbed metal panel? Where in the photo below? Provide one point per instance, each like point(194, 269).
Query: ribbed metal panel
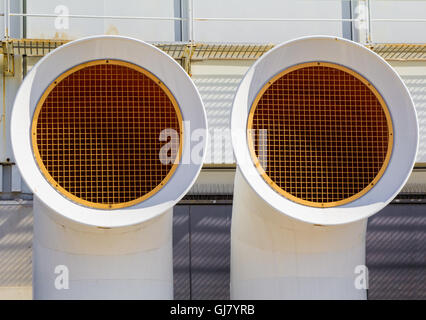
point(416, 84)
point(396, 247)
point(16, 232)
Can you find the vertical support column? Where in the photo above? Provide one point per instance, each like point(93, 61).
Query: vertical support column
point(191, 20)
point(11, 81)
point(347, 26)
point(6, 5)
point(369, 33)
point(10, 86)
point(177, 5)
point(187, 9)
point(361, 28)
point(187, 33)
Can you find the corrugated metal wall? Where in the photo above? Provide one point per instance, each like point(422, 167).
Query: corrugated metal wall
point(396, 252)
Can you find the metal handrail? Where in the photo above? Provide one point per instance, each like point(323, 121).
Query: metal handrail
point(84, 16)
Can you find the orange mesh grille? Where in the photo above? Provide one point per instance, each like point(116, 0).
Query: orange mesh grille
point(320, 134)
point(96, 134)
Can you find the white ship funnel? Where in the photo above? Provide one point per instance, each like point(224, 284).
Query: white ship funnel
point(101, 131)
point(325, 135)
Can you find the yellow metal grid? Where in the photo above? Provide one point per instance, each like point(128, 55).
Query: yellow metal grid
point(96, 133)
point(327, 134)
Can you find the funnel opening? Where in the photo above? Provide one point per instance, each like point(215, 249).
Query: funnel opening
point(96, 134)
point(320, 134)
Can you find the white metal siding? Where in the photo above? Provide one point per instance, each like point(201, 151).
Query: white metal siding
point(398, 31)
point(16, 233)
point(148, 30)
point(265, 31)
point(414, 76)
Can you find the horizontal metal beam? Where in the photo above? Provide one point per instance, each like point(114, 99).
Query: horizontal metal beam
point(399, 51)
point(211, 51)
point(30, 47)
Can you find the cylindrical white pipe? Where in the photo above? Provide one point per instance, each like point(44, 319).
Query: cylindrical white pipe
point(277, 257)
point(71, 261)
point(89, 252)
point(283, 249)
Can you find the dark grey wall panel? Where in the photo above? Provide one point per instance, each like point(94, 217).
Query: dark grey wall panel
point(210, 251)
point(396, 253)
point(181, 266)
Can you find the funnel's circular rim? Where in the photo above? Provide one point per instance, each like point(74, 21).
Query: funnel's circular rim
point(374, 69)
point(139, 53)
point(62, 189)
point(285, 193)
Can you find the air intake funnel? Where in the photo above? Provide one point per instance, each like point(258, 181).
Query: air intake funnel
point(101, 132)
point(325, 135)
